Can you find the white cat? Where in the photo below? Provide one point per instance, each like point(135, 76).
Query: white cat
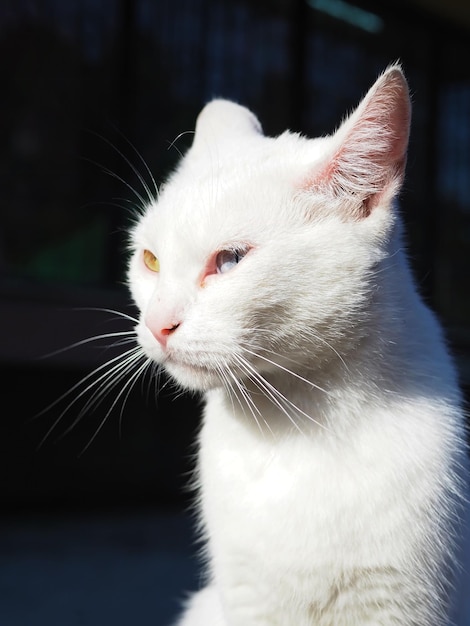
point(271, 275)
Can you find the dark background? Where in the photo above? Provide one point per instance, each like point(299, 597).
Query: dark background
point(93, 93)
point(94, 98)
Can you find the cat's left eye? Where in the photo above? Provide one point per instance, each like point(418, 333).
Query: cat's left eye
point(228, 259)
point(151, 261)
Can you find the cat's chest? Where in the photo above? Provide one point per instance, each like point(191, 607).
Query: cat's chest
point(272, 491)
point(254, 463)
point(278, 496)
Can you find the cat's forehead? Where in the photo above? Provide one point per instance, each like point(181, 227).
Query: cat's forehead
point(252, 165)
point(212, 210)
point(222, 193)
point(234, 156)
point(216, 182)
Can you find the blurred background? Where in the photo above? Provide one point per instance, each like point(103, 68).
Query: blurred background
point(96, 98)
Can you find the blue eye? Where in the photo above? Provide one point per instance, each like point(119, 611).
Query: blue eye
point(227, 259)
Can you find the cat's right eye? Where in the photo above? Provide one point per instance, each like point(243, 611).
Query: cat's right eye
point(151, 261)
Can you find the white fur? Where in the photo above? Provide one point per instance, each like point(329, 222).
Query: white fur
point(332, 436)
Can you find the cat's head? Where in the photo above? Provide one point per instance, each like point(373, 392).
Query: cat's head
point(259, 253)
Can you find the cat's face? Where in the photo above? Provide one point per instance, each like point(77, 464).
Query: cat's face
point(254, 258)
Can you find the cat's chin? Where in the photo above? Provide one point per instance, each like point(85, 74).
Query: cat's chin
point(193, 377)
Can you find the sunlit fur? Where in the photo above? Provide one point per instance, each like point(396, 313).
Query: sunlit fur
point(332, 438)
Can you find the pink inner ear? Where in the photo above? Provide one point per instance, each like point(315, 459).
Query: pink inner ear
point(370, 160)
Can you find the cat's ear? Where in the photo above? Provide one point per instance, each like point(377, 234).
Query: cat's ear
point(224, 120)
point(367, 162)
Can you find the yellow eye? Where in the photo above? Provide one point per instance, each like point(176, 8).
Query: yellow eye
point(151, 261)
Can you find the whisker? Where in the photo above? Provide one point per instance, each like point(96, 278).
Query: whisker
point(129, 207)
point(112, 174)
point(121, 342)
point(153, 373)
point(275, 395)
point(287, 370)
point(173, 143)
point(310, 333)
point(130, 164)
point(81, 382)
point(328, 345)
point(142, 160)
point(251, 405)
point(113, 311)
point(270, 392)
point(77, 386)
point(120, 370)
point(83, 342)
point(127, 390)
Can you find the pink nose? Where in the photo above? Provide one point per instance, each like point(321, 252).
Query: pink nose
point(162, 334)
